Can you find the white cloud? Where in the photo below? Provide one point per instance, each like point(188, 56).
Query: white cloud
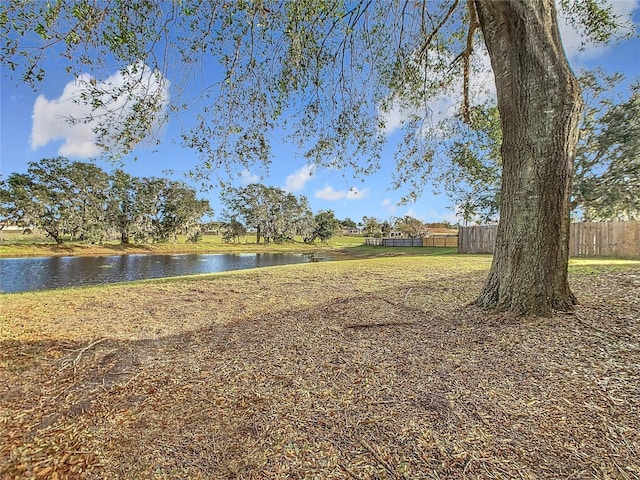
point(395, 117)
point(51, 117)
point(328, 193)
point(357, 194)
point(389, 206)
point(50, 122)
point(246, 177)
point(297, 180)
point(411, 213)
point(572, 39)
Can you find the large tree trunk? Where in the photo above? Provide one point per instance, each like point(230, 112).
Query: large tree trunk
point(540, 104)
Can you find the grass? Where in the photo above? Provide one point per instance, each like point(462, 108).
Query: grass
point(15, 244)
point(366, 368)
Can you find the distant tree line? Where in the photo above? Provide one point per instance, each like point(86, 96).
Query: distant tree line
point(277, 216)
point(274, 215)
point(407, 226)
point(83, 202)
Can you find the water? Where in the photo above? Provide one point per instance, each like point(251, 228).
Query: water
point(44, 273)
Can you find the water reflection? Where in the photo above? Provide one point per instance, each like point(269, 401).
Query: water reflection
point(43, 273)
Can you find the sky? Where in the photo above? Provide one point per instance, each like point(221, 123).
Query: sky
point(33, 126)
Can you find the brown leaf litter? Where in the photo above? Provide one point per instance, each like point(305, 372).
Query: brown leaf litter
point(372, 369)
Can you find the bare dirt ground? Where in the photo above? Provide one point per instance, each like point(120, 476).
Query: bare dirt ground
point(369, 369)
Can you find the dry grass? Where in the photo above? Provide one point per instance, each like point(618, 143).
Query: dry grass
point(67, 249)
point(15, 244)
point(357, 369)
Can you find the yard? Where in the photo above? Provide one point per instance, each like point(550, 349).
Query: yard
point(361, 369)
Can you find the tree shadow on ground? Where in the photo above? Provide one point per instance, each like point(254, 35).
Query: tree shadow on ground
point(385, 384)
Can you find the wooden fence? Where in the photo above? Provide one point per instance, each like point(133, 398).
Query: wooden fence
point(402, 242)
point(605, 239)
point(477, 239)
point(586, 239)
point(436, 241)
point(440, 241)
point(394, 242)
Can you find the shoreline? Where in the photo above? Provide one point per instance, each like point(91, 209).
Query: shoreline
point(340, 248)
point(52, 250)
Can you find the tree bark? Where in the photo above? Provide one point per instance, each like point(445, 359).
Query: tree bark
point(540, 104)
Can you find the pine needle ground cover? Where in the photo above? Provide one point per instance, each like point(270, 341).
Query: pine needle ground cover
point(364, 369)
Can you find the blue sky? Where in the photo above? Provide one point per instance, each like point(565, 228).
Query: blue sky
point(32, 128)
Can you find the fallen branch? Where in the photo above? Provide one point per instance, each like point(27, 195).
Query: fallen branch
point(380, 324)
point(67, 362)
point(606, 332)
point(407, 295)
point(380, 460)
point(349, 472)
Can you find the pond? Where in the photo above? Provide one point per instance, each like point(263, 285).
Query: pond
point(44, 273)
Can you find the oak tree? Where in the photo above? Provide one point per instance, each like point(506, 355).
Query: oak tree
point(168, 208)
point(607, 178)
point(61, 198)
point(124, 211)
point(411, 227)
point(326, 225)
point(275, 215)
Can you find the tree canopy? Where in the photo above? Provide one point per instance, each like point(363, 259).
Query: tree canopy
point(326, 225)
point(333, 71)
point(472, 177)
point(275, 215)
point(607, 178)
point(82, 201)
point(607, 171)
point(411, 227)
